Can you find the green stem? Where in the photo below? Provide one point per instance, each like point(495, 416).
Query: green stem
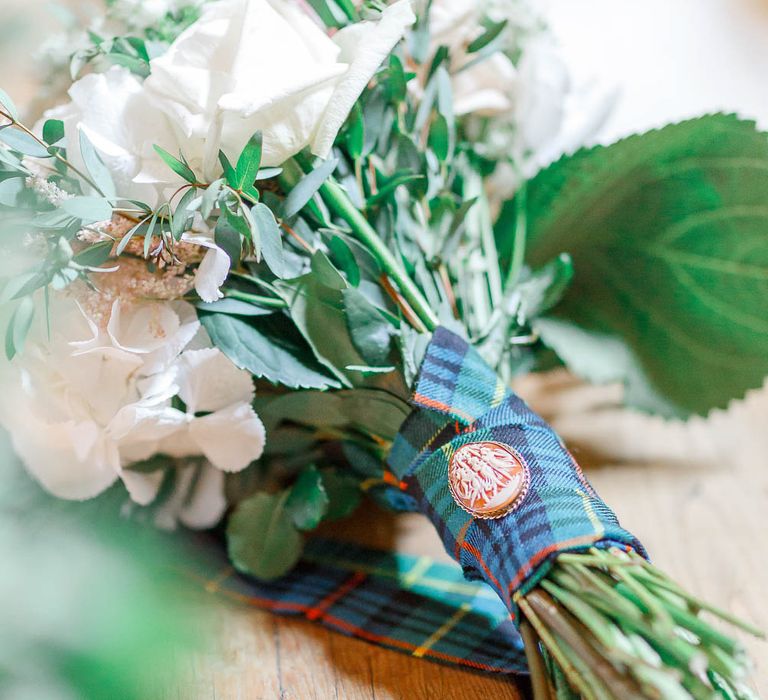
point(339, 203)
point(521, 232)
point(255, 299)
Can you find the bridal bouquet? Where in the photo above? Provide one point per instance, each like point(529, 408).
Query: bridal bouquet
point(267, 256)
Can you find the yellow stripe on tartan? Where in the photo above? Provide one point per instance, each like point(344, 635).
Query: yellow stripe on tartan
point(414, 575)
point(214, 584)
point(446, 627)
point(499, 393)
point(596, 522)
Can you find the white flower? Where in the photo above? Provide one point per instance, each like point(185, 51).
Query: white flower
point(116, 114)
point(523, 97)
point(213, 270)
point(264, 65)
point(98, 395)
point(140, 14)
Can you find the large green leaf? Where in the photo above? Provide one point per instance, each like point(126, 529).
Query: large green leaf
point(261, 537)
point(668, 232)
point(267, 350)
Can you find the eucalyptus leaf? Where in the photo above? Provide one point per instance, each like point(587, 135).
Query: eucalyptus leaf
point(95, 255)
point(7, 103)
point(261, 538)
point(10, 190)
point(88, 209)
point(306, 188)
point(96, 168)
point(18, 327)
point(53, 131)
point(181, 169)
point(248, 163)
point(271, 239)
point(22, 142)
point(667, 231)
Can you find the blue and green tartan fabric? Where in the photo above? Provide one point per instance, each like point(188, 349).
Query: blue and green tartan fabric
point(460, 400)
point(410, 604)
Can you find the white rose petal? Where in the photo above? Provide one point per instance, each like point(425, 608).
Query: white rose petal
point(264, 65)
point(364, 46)
point(231, 438)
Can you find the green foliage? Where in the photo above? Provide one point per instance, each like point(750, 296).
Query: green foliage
point(307, 500)
point(306, 188)
point(93, 164)
point(23, 143)
point(267, 350)
point(88, 209)
point(248, 166)
point(667, 232)
point(180, 168)
point(261, 537)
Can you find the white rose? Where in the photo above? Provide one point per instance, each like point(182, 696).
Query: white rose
point(98, 394)
point(264, 65)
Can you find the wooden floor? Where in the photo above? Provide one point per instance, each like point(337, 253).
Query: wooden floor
point(697, 495)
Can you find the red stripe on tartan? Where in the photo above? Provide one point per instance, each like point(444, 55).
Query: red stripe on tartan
point(317, 611)
point(362, 633)
point(544, 553)
point(476, 553)
point(440, 406)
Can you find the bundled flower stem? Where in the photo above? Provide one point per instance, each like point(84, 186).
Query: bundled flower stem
point(616, 626)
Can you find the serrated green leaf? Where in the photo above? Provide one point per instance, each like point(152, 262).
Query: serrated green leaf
point(261, 538)
point(96, 168)
point(181, 169)
point(371, 333)
point(271, 239)
point(22, 142)
point(248, 163)
point(266, 352)
point(307, 500)
point(667, 231)
point(345, 259)
point(88, 209)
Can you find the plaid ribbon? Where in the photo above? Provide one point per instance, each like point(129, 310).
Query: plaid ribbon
point(459, 400)
point(410, 604)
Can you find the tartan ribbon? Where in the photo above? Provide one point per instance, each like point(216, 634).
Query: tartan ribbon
point(460, 400)
point(410, 604)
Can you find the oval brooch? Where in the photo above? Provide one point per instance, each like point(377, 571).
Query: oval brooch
point(487, 479)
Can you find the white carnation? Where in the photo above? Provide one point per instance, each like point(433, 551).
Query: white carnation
point(102, 393)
